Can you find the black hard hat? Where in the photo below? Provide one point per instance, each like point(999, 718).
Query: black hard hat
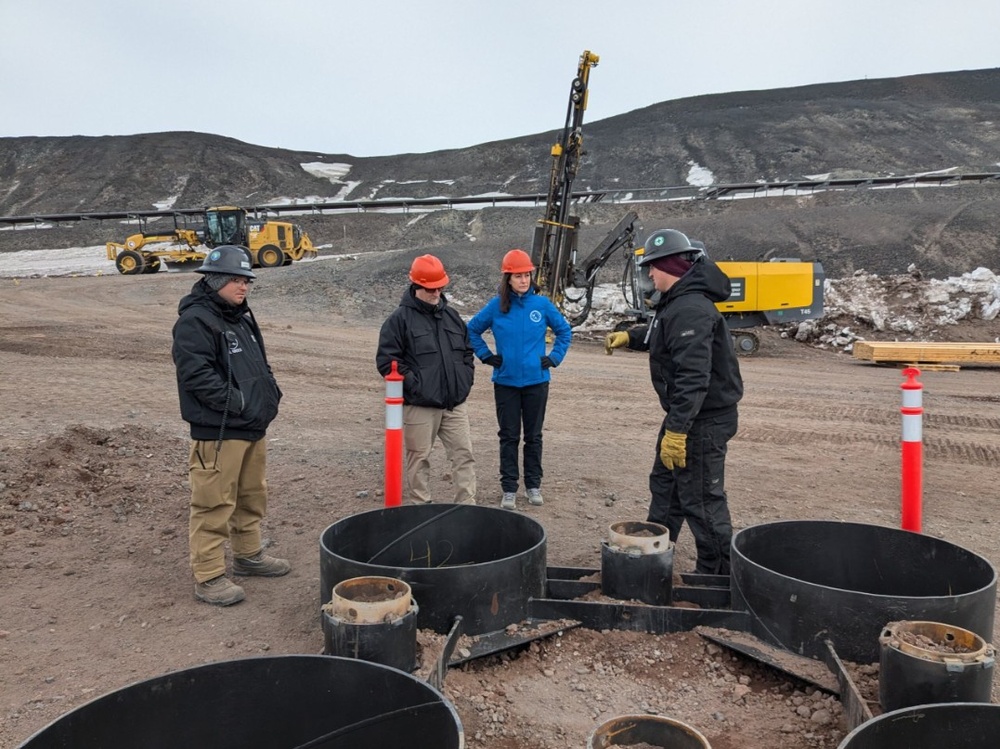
point(229, 259)
point(667, 242)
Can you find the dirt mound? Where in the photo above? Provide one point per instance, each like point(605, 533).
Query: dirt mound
point(75, 481)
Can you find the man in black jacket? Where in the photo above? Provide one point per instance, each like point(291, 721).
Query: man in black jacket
point(229, 397)
point(697, 377)
point(430, 345)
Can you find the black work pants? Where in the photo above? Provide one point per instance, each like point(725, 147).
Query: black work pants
point(516, 407)
point(697, 492)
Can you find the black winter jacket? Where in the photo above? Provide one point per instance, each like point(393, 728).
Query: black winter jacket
point(692, 361)
point(432, 348)
point(223, 377)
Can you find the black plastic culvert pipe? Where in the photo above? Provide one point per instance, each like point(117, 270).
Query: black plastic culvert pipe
point(954, 725)
point(806, 581)
point(480, 563)
point(278, 702)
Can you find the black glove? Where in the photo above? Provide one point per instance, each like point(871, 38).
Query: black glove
point(495, 361)
point(547, 362)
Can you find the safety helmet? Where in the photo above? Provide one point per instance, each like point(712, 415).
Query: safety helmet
point(666, 242)
point(517, 261)
point(229, 259)
point(428, 271)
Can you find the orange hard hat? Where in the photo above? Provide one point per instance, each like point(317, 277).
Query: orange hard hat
point(517, 261)
point(428, 271)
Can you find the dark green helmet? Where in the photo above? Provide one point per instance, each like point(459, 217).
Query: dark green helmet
point(667, 242)
point(229, 259)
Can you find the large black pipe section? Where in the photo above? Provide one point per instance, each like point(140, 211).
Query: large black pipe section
point(482, 563)
point(279, 702)
point(954, 725)
point(807, 581)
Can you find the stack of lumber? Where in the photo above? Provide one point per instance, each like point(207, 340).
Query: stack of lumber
point(922, 353)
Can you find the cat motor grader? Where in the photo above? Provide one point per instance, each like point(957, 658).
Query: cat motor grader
point(271, 243)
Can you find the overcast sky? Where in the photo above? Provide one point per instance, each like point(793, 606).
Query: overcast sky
point(380, 77)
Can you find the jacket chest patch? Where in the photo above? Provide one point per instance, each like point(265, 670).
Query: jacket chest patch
point(535, 316)
point(234, 343)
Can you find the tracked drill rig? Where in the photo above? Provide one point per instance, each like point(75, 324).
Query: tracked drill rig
point(763, 293)
point(560, 274)
point(553, 248)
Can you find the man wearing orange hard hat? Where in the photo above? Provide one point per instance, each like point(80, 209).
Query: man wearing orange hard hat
point(430, 344)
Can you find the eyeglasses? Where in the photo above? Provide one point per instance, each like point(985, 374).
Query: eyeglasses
point(432, 291)
point(241, 281)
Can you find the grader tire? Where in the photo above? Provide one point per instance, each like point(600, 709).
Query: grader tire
point(130, 263)
point(152, 266)
point(270, 256)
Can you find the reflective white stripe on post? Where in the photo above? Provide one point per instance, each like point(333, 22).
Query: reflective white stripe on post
point(913, 427)
point(394, 386)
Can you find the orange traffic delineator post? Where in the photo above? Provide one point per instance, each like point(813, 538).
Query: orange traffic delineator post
point(393, 438)
point(913, 450)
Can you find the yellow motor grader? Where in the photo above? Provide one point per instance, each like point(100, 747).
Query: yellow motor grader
point(271, 243)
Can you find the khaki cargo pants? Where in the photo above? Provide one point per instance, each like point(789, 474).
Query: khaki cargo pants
point(228, 501)
point(421, 426)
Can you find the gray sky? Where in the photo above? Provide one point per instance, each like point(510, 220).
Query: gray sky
point(379, 77)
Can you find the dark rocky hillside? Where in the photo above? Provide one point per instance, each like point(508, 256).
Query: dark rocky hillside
point(889, 127)
point(883, 127)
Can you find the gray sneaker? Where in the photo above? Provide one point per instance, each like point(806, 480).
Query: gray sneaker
point(508, 501)
point(219, 591)
point(261, 565)
point(534, 496)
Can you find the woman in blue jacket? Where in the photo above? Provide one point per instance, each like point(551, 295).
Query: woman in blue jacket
point(519, 318)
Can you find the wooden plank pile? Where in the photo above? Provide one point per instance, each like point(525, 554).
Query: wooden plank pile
point(927, 355)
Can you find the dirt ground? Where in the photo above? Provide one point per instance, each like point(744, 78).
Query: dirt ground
point(95, 588)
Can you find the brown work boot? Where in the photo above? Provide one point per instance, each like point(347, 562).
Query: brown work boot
point(219, 591)
point(261, 565)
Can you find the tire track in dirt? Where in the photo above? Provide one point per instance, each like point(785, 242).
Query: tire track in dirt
point(977, 422)
point(937, 448)
point(882, 416)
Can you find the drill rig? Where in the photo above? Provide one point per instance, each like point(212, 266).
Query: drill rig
point(763, 293)
point(559, 275)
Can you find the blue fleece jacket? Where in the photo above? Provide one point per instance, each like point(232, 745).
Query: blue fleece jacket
point(520, 337)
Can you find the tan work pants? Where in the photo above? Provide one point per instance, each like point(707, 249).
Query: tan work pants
point(228, 501)
point(421, 426)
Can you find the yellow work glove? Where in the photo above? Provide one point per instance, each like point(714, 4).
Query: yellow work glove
point(615, 340)
point(673, 450)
